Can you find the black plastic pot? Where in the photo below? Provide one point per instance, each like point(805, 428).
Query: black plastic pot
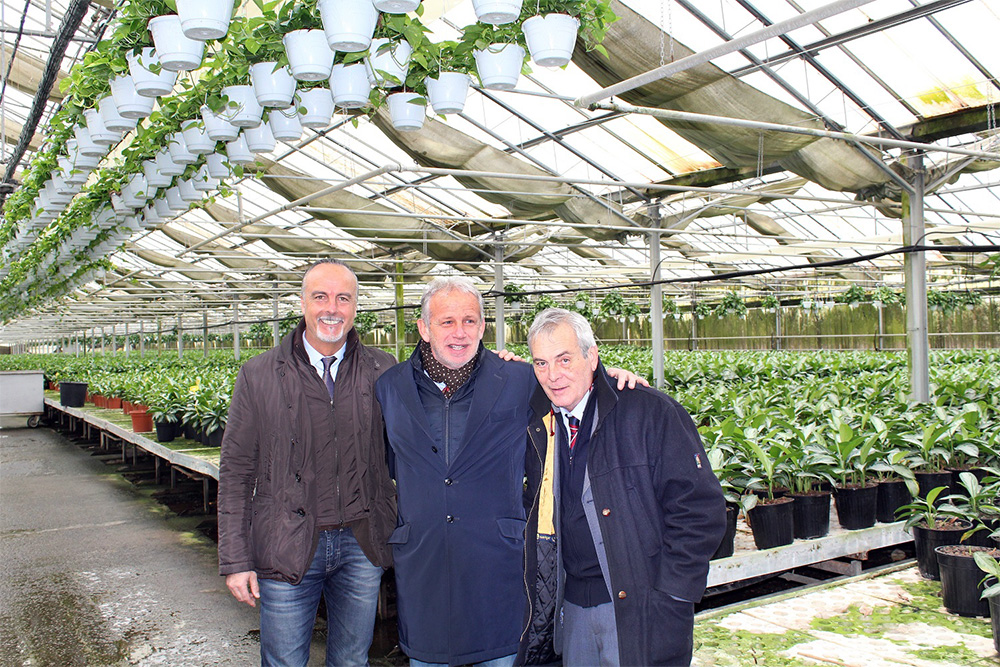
point(981, 538)
point(811, 514)
point(928, 481)
point(926, 540)
point(190, 432)
point(956, 481)
point(72, 394)
point(960, 577)
point(772, 523)
point(856, 506)
point(214, 439)
point(995, 620)
point(727, 548)
point(165, 431)
point(892, 494)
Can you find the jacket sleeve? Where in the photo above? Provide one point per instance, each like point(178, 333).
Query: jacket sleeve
point(692, 505)
point(238, 467)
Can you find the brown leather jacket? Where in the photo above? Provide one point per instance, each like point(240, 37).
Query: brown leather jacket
point(279, 419)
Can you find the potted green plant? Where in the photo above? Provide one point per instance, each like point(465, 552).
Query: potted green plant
point(809, 470)
point(771, 518)
point(499, 52)
point(613, 305)
point(854, 296)
point(551, 28)
point(702, 309)
point(991, 591)
point(306, 49)
point(731, 304)
point(349, 82)
point(349, 24)
point(728, 468)
point(445, 68)
point(932, 527)
point(854, 454)
point(884, 296)
point(896, 484)
point(769, 303)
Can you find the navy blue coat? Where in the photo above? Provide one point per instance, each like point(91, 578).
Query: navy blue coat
point(458, 547)
point(659, 515)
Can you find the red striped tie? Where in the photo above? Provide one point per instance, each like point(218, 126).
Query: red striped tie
point(574, 428)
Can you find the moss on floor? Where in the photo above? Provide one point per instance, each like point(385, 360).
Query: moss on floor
point(715, 645)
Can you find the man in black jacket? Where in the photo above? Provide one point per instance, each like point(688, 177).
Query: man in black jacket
point(305, 500)
point(625, 511)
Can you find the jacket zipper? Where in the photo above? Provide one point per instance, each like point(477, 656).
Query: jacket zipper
point(447, 431)
point(534, 504)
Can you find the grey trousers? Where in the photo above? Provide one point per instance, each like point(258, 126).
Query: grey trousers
point(590, 637)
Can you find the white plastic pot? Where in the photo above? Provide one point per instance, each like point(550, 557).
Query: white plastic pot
point(446, 94)
point(131, 200)
point(407, 114)
point(196, 137)
point(174, 201)
point(154, 179)
point(551, 38)
point(99, 133)
point(70, 173)
point(349, 86)
point(217, 127)
point(119, 207)
point(151, 216)
point(146, 82)
point(62, 187)
point(497, 12)
point(203, 181)
point(284, 127)
point(80, 160)
point(259, 139)
point(243, 109)
point(136, 191)
point(499, 65)
point(238, 151)
point(316, 107)
point(179, 152)
point(387, 62)
point(162, 208)
point(348, 24)
point(188, 192)
point(272, 87)
point(113, 120)
point(129, 103)
point(309, 56)
point(216, 165)
point(396, 6)
point(87, 146)
point(54, 197)
point(176, 51)
point(166, 165)
point(205, 19)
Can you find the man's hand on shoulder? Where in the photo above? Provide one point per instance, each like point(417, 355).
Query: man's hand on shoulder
point(243, 586)
point(507, 355)
point(625, 377)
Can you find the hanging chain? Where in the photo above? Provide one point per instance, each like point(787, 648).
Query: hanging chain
point(760, 156)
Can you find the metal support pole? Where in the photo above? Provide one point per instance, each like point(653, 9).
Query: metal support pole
point(915, 269)
point(656, 301)
point(501, 332)
point(126, 344)
point(881, 328)
point(275, 327)
point(142, 338)
point(103, 336)
point(180, 336)
point(777, 327)
point(204, 332)
point(236, 329)
point(400, 322)
point(159, 334)
point(694, 325)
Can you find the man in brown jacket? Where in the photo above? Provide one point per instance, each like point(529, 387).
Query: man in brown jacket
point(305, 500)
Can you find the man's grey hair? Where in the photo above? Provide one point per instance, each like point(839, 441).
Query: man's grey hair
point(550, 318)
point(335, 262)
point(449, 284)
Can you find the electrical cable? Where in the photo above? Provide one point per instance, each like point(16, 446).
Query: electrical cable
point(13, 53)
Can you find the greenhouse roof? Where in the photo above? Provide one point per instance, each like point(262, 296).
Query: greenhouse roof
point(567, 195)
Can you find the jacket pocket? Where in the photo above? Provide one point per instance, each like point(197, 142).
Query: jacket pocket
point(667, 630)
point(512, 529)
point(401, 535)
point(261, 533)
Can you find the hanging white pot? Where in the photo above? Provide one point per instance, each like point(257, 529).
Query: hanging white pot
point(151, 215)
point(205, 19)
point(203, 181)
point(80, 160)
point(131, 200)
point(407, 111)
point(176, 51)
point(243, 109)
point(153, 176)
point(388, 62)
point(87, 146)
point(272, 85)
point(136, 191)
point(217, 127)
point(238, 152)
point(166, 165)
point(188, 192)
point(113, 120)
point(148, 220)
point(447, 93)
point(62, 187)
point(497, 12)
point(99, 133)
point(499, 65)
point(174, 201)
point(179, 152)
point(316, 107)
point(309, 56)
point(70, 173)
point(129, 103)
point(349, 86)
point(348, 24)
point(54, 197)
point(284, 126)
point(551, 38)
point(162, 208)
point(217, 166)
point(196, 137)
point(146, 82)
point(396, 6)
point(259, 139)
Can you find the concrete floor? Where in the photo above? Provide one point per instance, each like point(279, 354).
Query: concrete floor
point(95, 573)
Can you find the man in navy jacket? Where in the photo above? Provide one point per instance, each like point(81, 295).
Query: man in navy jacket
point(625, 511)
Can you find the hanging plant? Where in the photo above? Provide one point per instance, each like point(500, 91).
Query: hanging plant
point(970, 299)
point(670, 308)
point(612, 305)
point(770, 303)
point(884, 296)
point(365, 322)
point(731, 304)
point(595, 17)
point(854, 296)
point(702, 310)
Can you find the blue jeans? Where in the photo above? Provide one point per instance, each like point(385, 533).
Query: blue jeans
point(506, 661)
point(349, 583)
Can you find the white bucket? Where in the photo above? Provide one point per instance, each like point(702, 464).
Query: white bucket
point(499, 65)
point(216, 126)
point(259, 139)
point(196, 137)
point(406, 115)
point(238, 151)
point(216, 165)
point(243, 109)
point(446, 94)
point(316, 107)
point(284, 127)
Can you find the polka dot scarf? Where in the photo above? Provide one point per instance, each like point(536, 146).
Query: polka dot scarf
point(453, 378)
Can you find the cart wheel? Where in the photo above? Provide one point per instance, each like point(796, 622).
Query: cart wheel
point(33, 421)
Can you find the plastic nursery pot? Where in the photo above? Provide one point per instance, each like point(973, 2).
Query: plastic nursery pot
point(128, 102)
point(772, 523)
point(113, 120)
point(994, 603)
point(243, 109)
point(214, 439)
point(285, 126)
point(497, 12)
point(960, 577)
point(728, 545)
point(856, 506)
point(811, 514)
point(165, 431)
point(349, 86)
point(259, 139)
point(551, 38)
point(176, 51)
point(499, 65)
point(142, 421)
point(178, 150)
point(407, 111)
point(926, 540)
point(892, 494)
point(928, 481)
point(396, 6)
point(72, 394)
point(316, 107)
point(447, 93)
point(217, 126)
point(387, 62)
point(309, 56)
point(196, 138)
point(99, 133)
point(348, 24)
point(273, 87)
point(146, 82)
point(205, 19)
